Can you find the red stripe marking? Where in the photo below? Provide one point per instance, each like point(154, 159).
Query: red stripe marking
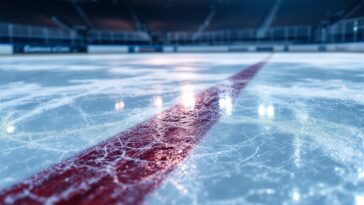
point(125, 168)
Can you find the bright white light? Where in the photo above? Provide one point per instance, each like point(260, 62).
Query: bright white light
point(296, 196)
point(222, 103)
point(359, 200)
point(188, 97)
point(261, 110)
point(120, 105)
point(226, 104)
point(158, 102)
point(10, 129)
point(229, 105)
point(266, 111)
point(270, 111)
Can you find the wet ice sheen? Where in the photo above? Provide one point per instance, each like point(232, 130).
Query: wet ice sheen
point(295, 135)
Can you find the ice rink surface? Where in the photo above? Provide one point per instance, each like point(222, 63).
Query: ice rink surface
point(295, 135)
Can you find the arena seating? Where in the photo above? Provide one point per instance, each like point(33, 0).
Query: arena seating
point(108, 16)
point(294, 12)
point(358, 12)
point(64, 11)
point(239, 15)
point(28, 13)
point(186, 16)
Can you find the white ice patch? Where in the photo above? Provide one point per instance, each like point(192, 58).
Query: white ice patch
point(330, 89)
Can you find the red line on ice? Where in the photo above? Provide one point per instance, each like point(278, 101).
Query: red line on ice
point(125, 168)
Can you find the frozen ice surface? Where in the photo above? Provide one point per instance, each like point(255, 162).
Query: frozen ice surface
point(294, 136)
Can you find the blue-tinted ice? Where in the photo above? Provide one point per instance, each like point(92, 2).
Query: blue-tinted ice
point(295, 135)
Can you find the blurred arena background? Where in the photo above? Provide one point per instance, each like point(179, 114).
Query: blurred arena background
point(62, 26)
point(181, 102)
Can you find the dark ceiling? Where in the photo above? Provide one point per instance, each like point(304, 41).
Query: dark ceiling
point(167, 2)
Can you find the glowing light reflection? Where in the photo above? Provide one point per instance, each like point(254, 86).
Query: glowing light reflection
point(261, 110)
point(10, 129)
point(226, 104)
point(158, 102)
point(359, 200)
point(188, 97)
point(296, 196)
point(266, 111)
point(120, 105)
point(270, 111)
